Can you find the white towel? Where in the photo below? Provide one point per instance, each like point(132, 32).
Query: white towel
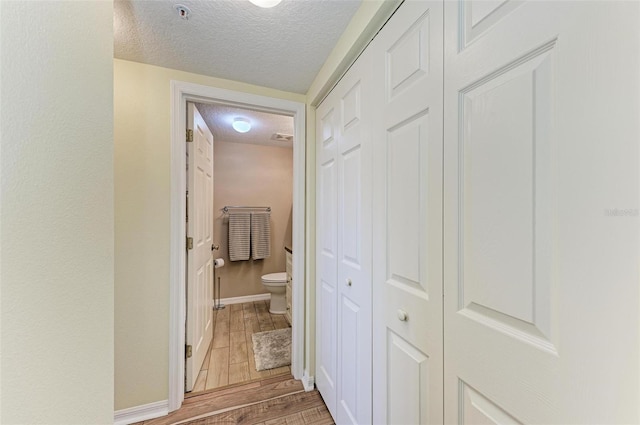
point(260, 235)
point(239, 233)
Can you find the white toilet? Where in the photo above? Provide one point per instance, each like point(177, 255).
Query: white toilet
point(276, 284)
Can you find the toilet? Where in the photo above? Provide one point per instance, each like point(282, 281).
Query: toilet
point(276, 284)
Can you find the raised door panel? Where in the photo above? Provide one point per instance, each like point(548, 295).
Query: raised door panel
point(351, 209)
point(199, 299)
point(327, 192)
point(350, 385)
point(408, 378)
point(525, 265)
point(478, 17)
point(476, 409)
point(505, 222)
point(327, 347)
point(410, 61)
point(408, 217)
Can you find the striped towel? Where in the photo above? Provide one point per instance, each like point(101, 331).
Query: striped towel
point(260, 235)
point(239, 231)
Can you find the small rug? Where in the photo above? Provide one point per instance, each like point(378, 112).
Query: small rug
point(272, 349)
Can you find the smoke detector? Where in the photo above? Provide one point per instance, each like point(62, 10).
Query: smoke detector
point(183, 11)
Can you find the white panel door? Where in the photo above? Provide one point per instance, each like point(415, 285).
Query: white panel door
point(407, 212)
point(327, 251)
point(354, 94)
point(199, 259)
point(541, 146)
point(343, 286)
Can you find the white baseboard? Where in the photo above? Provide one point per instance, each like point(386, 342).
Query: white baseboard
point(141, 413)
point(246, 299)
point(308, 382)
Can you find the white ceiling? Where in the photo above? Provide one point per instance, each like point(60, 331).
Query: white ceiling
point(263, 125)
point(282, 47)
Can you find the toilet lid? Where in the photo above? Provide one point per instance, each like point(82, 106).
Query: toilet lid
point(275, 277)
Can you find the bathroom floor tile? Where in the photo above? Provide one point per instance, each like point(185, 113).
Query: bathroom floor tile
point(230, 357)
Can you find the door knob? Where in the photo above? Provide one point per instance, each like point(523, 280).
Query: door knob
point(215, 247)
point(402, 315)
point(348, 282)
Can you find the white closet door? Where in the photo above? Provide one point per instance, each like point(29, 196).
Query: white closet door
point(407, 209)
point(354, 94)
point(343, 288)
point(541, 278)
point(327, 250)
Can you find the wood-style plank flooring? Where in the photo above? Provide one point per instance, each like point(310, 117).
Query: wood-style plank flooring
point(229, 390)
point(270, 401)
point(230, 358)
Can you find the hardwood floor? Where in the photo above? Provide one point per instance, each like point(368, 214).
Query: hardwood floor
point(270, 401)
point(296, 409)
point(230, 391)
point(230, 358)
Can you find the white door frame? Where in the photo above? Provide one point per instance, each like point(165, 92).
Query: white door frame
point(181, 93)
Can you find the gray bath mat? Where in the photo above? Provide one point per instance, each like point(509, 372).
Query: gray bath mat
point(272, 349)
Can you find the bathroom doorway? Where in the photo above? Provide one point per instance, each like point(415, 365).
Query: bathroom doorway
point(252, 216)
point(181, 94)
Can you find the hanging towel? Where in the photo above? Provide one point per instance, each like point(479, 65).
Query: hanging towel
point(260, 235)
point(239, 234)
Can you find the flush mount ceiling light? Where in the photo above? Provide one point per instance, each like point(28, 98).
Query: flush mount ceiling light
point(241, 125)
point(265, 3)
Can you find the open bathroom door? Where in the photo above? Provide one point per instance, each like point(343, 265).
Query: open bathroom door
point(199, 326)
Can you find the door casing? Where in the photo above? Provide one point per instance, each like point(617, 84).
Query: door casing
point(181, 93)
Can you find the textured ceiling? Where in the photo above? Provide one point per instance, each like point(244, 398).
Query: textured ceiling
point(282, 47)
point(263, 125)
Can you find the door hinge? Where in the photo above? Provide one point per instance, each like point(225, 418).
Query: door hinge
point(189, 243)
point(189, 135)
point(188, 351)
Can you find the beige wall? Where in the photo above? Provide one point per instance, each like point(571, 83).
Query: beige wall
point(56, 212)
point(142, 224)
point(246, 174)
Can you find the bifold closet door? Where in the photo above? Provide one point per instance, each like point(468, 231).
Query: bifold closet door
point(408, 143)
point(343, 297)
point(541, 281)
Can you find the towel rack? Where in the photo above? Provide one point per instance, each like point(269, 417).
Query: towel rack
point(229, 207)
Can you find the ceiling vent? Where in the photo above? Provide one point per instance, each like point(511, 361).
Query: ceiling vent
point(281, 137)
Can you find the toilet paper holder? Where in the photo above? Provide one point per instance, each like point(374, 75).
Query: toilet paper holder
point(217, 263)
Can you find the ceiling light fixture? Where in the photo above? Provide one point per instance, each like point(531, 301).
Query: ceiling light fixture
point(241, 125)
point(265, 3)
